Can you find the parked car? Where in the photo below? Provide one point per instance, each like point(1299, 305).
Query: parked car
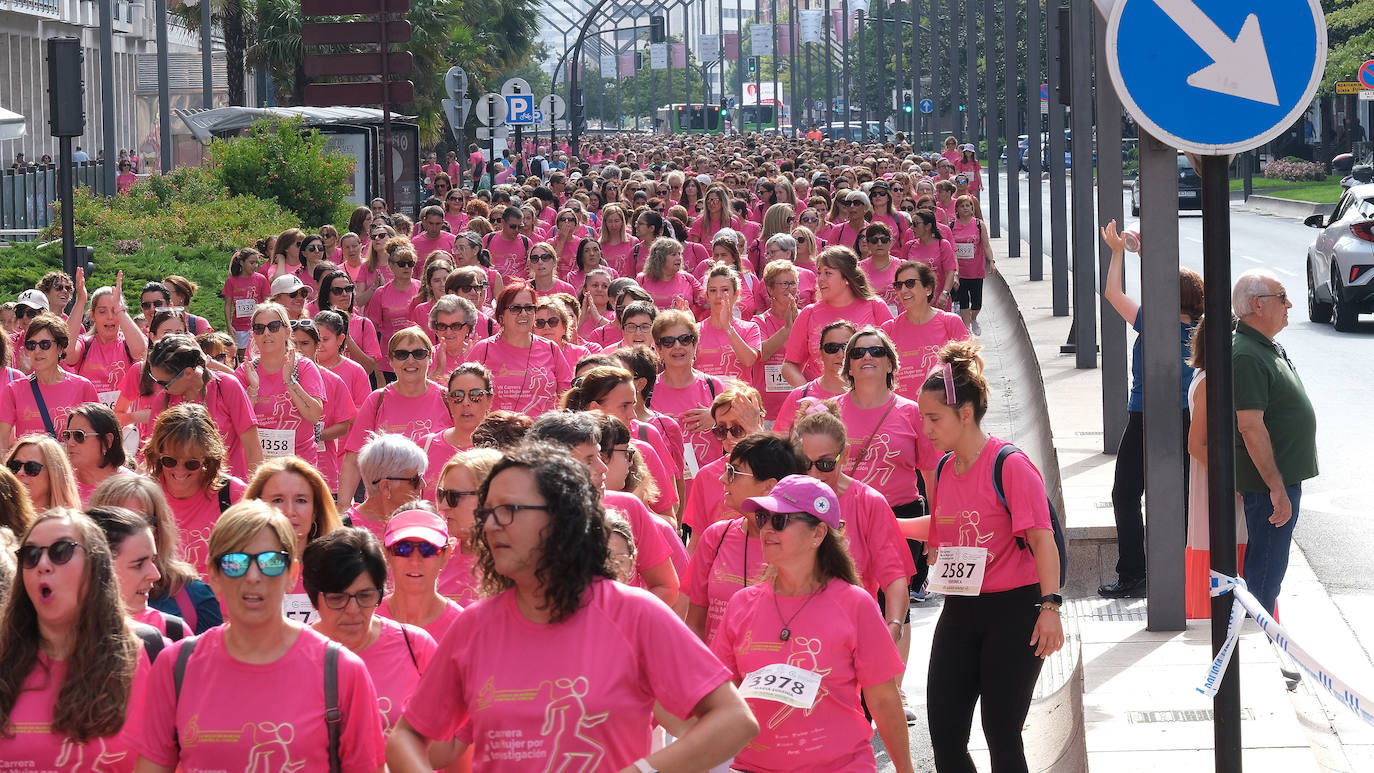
point(1340, 262)
point(1189, 187)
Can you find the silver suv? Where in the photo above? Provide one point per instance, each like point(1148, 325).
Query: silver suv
point(1340, 262)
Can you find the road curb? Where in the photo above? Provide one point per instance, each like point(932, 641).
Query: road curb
point(1280, 207)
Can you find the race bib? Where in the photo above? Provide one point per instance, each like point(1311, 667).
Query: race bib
point(243, 307)
point(277, 442)
point(964, 250)
point(296, 606)
point(784, 684)
point(108, 399)
point(772, 376)
point(690, 468)
point(959, 571)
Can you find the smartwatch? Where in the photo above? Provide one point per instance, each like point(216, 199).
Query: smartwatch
point(1052, 598)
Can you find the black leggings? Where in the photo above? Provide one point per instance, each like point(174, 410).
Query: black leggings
point(981, 651)
point(969, 294)
point(915, 509)
point(1128, 486)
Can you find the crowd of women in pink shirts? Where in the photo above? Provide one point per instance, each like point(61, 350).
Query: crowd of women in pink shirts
point(633, 467)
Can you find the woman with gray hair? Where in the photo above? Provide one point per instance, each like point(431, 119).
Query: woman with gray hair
point(665, 281)
point(452, 319)
point(393, 469)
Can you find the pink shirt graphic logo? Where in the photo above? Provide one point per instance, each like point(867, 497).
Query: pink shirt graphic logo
point(879, 461)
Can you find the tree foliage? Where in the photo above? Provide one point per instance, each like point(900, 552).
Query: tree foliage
point(1350, 40)
point(282, 160)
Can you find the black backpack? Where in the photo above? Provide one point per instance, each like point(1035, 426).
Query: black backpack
point(1059, 540)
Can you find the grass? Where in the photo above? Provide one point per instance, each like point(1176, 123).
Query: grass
point(1326, 191)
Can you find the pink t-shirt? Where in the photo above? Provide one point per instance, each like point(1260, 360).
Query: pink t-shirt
point(875, 542)
point(939, 255)
point(34, 746)
point(425, 245)
point(968, 240)
point(677, 402)
point(102, 364)
point(767, 374)
point(277, 414)
point(787, 414)
point(419, 315)
point(727, 560)
point(838, 634)
point(395, 661)
point(439, 451)
point(968, 513)
point(529, 379)
point(606, 336)
point(666, 436)
point(706, 498)
point(361, 329)
point(339, 406)
point(389, 309)
point(717, 357)
point(897, 451)
point(510, 257)
point(459, 581)
point(196, 516)
point(19, 410)
point(918, 347)
point(621, 257)
point(439, 626)
point(843, 234)
point(221, 722)
point(651, 550)
point(241, 291)
point(683, 285)
point(541, 696)
point(804, 342)
point(386, 410)
point(880, 279)
point(158, 619)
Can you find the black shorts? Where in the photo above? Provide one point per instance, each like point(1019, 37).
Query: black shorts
point(969, 294)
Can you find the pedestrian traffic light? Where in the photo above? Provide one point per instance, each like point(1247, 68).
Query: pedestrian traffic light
point(906, 101)
point(657, 30)
point(753, 64)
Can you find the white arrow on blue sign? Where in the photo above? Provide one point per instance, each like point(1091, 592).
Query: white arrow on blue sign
point(1216, 76)
point(519, 109)
point(927, 106)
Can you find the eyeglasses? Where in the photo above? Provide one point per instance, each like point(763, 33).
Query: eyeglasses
point(550, 323)
point(405, 354)
point(450, 497)
point(164, 384)
point(668, 342)
point(833, 347)
point(24, 312)
point(469, 288)
point(378, 234)
point(406, 548)
point(304, 292)
point(59, 552)
point(567, 220)
point(733, 430)
point(1283, 298)
point(823, 464)
point(342, 289)
point(367, 598)
point(274, 326)
point(810, 220)
point(170, 463)
point(413, 480)
point(31, 469)
point(302, 324)
point(628, 451)
point(909, 284)
point(522, 309)
point(79, 435)
point(403, 263)
point(542, 257)
point(879, 239)
point(876, 352)
point(639, 329)
point(145, 305)
point(503, 514)
point(471, 395)
point(732, 472)
point(315, 248)
point(271, 563)
point(778, 521)
point(444, 327)
point(45, 344)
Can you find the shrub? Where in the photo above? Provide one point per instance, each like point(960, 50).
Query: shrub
point(1295, 169)
point(280, 159)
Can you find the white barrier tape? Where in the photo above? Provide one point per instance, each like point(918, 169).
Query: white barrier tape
point(1246, 602)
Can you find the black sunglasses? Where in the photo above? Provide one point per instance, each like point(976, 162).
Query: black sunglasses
point(191, 465)
point(342, 289)
point(734, 430)
point(404, 263)
point(876, 352)
point(59, 552)
point(778, 521)
point(405, 354)
point(274, 326)
point(550, 323)
point(668, 342)
point(45, 344)
point(909, 284)
point(823, 464)
point(444, 327)
point(451, 497)
point(24, 312)
point(414, 480)
point(879, 239)
point(30, 469)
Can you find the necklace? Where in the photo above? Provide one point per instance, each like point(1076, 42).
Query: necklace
point(786, 632)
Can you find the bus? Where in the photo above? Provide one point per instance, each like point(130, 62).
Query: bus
point(754, 118)
point(690, 118)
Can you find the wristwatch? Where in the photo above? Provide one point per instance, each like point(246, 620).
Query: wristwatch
point(643, 766)
point(1052, 598)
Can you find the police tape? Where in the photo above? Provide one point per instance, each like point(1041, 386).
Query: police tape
point(1246, 602)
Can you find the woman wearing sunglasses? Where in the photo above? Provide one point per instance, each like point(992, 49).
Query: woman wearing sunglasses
point(617, 246)
point(93, 442)
point(41, 465)
point(887, 212)
point(338, 293)
point(880, 266)
point(683, 392)
point(454, 213)
point(344, 573)
point(973, 251)
point(299, 492)
point(178, 592)
point(736, 413)
point(452, 318)
point(285, 388)
point(113, 345)
point(842, 292)
point(543, 262)
point(727, 555)
point(456, 498)
point(187, 457)
point(553, 321)
point(73, 672)
point(418, 547)
point(855, 208)
point(390, 304)
point(566, 238)
point(221, 702)
point(139, 397)
point(714, 217)
point(827, 631)
point(468, 398)
point(930, 247)
point(543, 546)
point(528, 373)
point(438, 268)
point(45, 341)
point(831, 382)
point(921, 330)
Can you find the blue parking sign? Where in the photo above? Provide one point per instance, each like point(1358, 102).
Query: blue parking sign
point(520, 109)
point(1216, 76)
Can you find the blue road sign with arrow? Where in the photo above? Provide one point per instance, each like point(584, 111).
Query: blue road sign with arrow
point(1216, 76)
point(927, 106)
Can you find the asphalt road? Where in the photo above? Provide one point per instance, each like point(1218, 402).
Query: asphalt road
point(1336, 526)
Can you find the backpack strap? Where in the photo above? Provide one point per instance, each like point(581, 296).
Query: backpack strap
point(940, 466)
point(406, 634)
point(711, 384)
point(1002, 454)
point(43, 406)
point(333, 718)
point(176, 630)
point(224, 498)
point(188, 645)
point(806, 389)
point(151, 638)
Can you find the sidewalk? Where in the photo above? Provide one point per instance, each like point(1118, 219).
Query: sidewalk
point(1140, 708)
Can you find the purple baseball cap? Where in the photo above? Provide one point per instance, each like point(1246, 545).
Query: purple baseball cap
point(800, 494)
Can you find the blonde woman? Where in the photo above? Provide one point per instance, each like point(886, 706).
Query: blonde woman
point(284, 387)
point(40, 463)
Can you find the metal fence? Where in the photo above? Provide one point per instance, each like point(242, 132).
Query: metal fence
point(28, 196)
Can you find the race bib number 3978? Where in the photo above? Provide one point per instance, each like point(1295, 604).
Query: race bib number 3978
point(784, 684)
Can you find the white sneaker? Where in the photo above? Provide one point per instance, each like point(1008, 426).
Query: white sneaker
point(976, 328)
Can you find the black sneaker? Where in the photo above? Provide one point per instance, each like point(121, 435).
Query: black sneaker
point(1123, 589)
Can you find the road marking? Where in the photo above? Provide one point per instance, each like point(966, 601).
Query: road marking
point(1193, 239)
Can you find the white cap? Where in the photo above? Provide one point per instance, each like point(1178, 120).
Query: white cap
point(704, 179)
point(33, 299)
point(288, 283)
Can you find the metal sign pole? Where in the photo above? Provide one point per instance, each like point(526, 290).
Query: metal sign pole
point(1056, 31)
point(991, 117)
point(108, 171)
point(1109, 207)
point(1035, 183)
point(1084, 232)
point(1013, 107)
point(387, 169)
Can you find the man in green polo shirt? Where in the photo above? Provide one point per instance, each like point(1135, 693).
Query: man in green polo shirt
point(1276, 431)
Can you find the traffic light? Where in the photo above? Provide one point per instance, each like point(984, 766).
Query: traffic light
point(753, 64)
point(724, 108)
point(906, 101)
point(962, 108)
point(657, 30)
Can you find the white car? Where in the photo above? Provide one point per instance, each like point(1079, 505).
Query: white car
point(1340, 262)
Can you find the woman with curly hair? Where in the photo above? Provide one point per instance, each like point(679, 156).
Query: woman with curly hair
point(542, 543)
point(71, 666)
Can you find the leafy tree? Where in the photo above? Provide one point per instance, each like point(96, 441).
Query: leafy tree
point(1350, 40)
point(281, 159)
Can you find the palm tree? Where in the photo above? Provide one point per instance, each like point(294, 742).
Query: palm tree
point(230, 16)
